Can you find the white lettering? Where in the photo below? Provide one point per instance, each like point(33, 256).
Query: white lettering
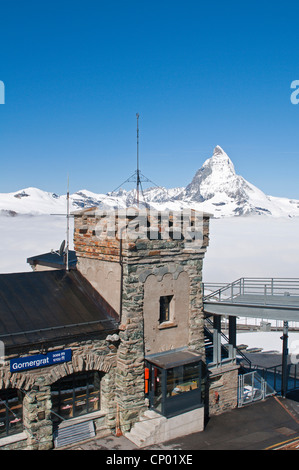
point(118, 460)
point(2, 93)
point(29, 364)
point(171, 459)
point(294, 99)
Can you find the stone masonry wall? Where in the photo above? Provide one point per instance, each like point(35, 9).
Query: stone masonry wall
point(139, 259)
point(89, 355)
point(222, 389)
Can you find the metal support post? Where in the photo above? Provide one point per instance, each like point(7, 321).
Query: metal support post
point(232, 336)
point(284, 383)
point(217, 339)
point(232, 330)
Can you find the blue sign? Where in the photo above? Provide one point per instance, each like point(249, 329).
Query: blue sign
point(40, 360)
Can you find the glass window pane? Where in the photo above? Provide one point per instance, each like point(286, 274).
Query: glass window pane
point(80, 395)
point(182, 379)
point(165, 302)
point(11, 412)
point(157, 388)
point(191, 375)
point(76, 395)
point(3, 419)
point(94, 394)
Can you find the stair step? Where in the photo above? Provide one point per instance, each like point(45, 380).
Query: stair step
point(143, 431)
point(151, 414)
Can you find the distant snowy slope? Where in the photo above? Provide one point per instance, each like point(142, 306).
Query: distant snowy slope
point(34, 201)
point(215, 188)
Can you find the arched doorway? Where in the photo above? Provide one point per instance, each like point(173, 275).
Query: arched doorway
point(76, 395)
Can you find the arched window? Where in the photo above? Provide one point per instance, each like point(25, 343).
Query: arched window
point(76, 395)
point(11, 412)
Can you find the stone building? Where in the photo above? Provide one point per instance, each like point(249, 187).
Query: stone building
point(98, 347)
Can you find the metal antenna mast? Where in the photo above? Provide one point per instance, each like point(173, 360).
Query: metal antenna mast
point(68, 226)
point(138, 177)
point(138, 173)
point(65, 246)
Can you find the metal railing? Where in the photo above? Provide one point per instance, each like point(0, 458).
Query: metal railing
point(273, 376)
point(252, 387)
point(265, 288)
point(209, 334)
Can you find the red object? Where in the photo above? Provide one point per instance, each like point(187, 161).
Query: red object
point(146, 377)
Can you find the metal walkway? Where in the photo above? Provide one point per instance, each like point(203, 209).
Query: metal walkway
point(267, 298)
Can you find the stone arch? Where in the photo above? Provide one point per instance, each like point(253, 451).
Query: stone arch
point(104, 365)
point(17, 380)
point(80, 363)
point(27, 379)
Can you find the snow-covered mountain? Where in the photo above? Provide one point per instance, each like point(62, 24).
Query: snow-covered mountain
point(219, 190)
point(215, 188)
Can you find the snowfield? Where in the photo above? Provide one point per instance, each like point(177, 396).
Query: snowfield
point(253, 246)
point(269, 341)
point(24, 236)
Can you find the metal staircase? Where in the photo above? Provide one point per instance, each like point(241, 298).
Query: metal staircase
point(241, 357)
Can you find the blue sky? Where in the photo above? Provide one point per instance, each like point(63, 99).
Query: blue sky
point(199, 73)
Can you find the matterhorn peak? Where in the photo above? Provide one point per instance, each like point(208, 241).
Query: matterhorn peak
point(217, 175)
point(218, 151)
point(220, 162)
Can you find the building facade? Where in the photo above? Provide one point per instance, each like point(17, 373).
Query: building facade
point(131, 336)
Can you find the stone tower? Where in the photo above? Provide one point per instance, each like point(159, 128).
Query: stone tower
point(148, 267)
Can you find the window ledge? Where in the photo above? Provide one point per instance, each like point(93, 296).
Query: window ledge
point(167, 324)
point(81, 419)
point(4, 441)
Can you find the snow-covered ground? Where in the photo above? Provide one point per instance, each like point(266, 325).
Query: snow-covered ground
point(268, 340)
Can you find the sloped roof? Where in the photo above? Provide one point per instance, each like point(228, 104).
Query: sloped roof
point(53, 259)
point(42, 306)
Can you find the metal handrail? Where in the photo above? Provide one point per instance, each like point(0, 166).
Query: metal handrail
point(260, 286)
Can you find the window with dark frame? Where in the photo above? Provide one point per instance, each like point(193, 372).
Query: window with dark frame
point(174, 390)
point(165, 306)
point(11, 412)
point(76, 395)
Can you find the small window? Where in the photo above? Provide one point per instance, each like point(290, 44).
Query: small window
point(165, 308)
